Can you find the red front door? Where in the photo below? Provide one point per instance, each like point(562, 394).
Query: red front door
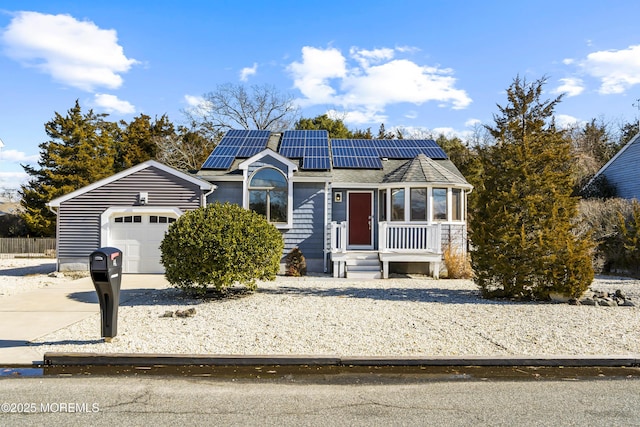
point(360, 219)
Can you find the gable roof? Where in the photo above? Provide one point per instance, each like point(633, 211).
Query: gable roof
point(204, 185)
point(614, 158)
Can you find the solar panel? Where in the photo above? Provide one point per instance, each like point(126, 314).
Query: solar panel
point(312, 146)
point(355, 154)
point(408, 148)
point(236, 143)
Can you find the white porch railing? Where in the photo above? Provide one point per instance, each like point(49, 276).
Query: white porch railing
point(404, 237)
point(338, 236)
point(393, 237)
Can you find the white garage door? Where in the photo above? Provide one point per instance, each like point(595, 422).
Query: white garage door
point(138, 236)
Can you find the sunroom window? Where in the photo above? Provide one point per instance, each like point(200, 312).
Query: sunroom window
point(439, 204)
point(268, 195)
point(397, 204)
point(456, 204)
point(418, 204)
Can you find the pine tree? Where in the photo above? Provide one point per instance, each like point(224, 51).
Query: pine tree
point(80, 152)
point(524, 245)
point(140, 140)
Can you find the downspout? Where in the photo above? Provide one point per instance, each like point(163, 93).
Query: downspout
point(326, 224)
point(55, 212)
point(203, 201)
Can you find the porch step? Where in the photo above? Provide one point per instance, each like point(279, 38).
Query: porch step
point(365, 273)
point(363, 265)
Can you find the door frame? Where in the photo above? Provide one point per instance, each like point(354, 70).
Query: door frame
point(371, 216)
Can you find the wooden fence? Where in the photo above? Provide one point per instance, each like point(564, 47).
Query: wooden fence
point(28, 247)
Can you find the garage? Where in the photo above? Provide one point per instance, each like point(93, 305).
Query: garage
point(138, 236)
point(131, 210)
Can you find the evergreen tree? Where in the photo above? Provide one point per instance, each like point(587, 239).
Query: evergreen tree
point(80, 152)
point(335, 127)
point(139, 140)
point(524, 245)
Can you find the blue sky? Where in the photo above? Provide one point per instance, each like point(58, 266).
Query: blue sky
point(424, 65)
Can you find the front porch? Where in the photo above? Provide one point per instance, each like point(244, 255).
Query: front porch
point(396, 242)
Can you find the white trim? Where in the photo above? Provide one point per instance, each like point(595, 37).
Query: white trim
point(105, 217)
point(291, 167)
point(204, 185)
point(372, 217)
point(613, 159)
point(245, 195)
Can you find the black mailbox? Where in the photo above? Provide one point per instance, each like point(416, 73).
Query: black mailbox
point(105, 266)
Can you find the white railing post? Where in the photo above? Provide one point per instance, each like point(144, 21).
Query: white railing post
point(343, 236)
point(382, 236)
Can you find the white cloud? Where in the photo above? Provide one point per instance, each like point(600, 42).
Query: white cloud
point(365, 57)
point(112, 104)
point(248, 71)
point(370, 80)
point(12, 180)
point(15, 156)
point(194, 101)
point(564, 121)
point(357, 117)
point(618, 70)
point(572, 86)
point(472, 122)
point(312, 76)
point(75, 53)
point(197, 105)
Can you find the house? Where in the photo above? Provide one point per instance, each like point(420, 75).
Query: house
point(355, 208)
point(622, 170)
point(358, 208)
point(130, 210)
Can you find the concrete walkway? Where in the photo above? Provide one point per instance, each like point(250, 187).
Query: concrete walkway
point(27, 316)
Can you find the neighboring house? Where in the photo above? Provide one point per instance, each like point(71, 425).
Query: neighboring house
point(361, 208)
point(357, 208)
point(130, 210)
point(622, 170)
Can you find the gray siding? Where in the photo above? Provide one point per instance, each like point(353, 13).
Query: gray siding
point(307, 232)
point(267, 161)
point(226, 192)
point(79, 218)
point(456, 235)
point(624, 172)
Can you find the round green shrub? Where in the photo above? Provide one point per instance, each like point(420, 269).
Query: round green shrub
point(218, 246)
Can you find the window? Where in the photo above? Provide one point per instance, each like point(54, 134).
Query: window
point(418, 202)
point(155, 219)
point(456, 204)
point(397, 204)
point(128, 219)
point(383, 205)
point(440, 204)
point(268, 195)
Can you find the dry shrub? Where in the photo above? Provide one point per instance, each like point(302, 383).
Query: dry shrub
point(600, 219)
point(458, 263)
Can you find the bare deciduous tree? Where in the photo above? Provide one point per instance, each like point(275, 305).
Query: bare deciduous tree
point(186, 150)
point(234, 107)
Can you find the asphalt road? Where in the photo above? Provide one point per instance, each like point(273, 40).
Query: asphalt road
point(354, 401)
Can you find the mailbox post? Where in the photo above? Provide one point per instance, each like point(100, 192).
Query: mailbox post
point(105, 266)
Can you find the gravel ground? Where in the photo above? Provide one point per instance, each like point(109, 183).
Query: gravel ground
point(325, 316)
point(25, 274)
